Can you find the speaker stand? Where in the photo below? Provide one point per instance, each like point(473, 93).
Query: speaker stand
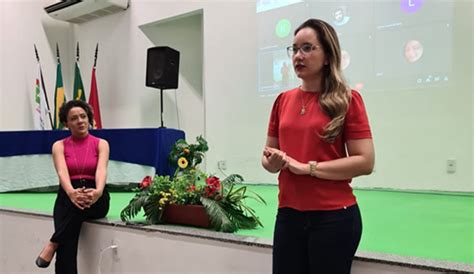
point(161, 104)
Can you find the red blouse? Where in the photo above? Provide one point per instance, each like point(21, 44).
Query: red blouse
point(298, 137)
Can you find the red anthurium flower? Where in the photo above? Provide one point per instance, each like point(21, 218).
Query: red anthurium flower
point(146, 182)
point(209, 191)
point(213, 185)
point(213, 182)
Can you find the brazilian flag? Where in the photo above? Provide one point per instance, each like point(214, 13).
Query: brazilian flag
point(79, 93)
point(59, 97)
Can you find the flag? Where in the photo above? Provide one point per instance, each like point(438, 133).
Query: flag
point(41, 99)
point(41, 111)
point(59, 97)
point(94, 101)
point(94, 95)
point(79, 93)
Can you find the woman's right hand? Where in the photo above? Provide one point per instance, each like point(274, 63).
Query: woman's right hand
point(276, 159)
point(79, 198)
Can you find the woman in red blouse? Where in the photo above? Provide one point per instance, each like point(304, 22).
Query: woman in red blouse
point(318, 139)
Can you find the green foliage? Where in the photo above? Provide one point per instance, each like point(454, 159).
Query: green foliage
point(224, 200)
point(134, 206)
point(193, 153)
point(189, 186)
point(230, 213)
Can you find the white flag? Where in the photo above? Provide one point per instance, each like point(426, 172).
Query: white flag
point(41, 110)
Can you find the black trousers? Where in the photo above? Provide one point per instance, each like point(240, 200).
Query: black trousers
point(310, 242)
point(68, 220)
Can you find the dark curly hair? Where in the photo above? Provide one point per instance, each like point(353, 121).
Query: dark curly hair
point(65, 108)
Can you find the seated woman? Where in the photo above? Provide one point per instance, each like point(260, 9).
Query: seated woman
point(81, 164)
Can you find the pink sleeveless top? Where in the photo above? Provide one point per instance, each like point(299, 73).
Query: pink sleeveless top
point(81, 156)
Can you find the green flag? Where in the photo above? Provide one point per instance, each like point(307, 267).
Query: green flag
point(59, 97)
point(79, 93)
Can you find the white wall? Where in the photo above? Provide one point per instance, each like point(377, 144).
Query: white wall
point(414, 132)
point(2, 30)
point(417, 132)
point(123, 41)
point(183, 33)
point(153, 251)
point(18, 59)
point(138, 251)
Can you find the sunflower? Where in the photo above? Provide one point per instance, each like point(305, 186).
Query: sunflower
point(182, 162)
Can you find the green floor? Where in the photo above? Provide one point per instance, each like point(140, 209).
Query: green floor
point(433, 226)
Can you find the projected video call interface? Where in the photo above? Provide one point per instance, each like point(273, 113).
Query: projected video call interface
point(404, 44)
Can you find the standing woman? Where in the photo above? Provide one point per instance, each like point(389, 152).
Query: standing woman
point(81, 164)
point(318, 140)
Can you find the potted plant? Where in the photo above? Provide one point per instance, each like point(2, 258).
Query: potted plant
point(193, 197)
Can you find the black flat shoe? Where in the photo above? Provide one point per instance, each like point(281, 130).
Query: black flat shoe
point(40, 262)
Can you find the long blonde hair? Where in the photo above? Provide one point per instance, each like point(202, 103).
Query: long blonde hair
point(336, 95)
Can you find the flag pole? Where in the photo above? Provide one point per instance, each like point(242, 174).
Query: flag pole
point(57, 54)
point(94, 96)
point(95, 57)
point(44, 88)
point(77, 52)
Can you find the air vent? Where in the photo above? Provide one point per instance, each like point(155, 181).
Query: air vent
point(77, 12)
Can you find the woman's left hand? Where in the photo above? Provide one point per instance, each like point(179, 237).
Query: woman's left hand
point(297, 167)
point(93, 194)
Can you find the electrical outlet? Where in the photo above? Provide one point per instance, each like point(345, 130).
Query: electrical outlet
point(222, 164)
point(451, 165)
point(114, 246)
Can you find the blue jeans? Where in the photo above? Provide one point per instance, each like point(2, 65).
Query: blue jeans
point(310, 242)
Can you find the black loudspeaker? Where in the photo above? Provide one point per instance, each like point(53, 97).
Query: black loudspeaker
point(162, 68)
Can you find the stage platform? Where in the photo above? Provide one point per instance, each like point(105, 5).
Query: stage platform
point(403, 233)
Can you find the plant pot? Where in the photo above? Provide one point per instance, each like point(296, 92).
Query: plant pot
point(193, 215)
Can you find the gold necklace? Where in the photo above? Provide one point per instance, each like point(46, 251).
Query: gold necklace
point(80, 171)
point(304, 104)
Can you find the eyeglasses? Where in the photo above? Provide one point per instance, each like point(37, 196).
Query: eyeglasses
point(305, 49)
